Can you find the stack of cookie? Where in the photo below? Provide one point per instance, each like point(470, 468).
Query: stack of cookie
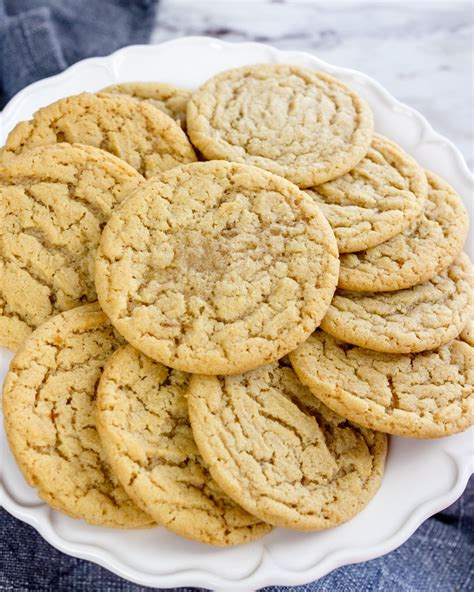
point(264, 318)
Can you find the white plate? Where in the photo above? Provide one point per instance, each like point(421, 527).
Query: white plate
point(421, 478)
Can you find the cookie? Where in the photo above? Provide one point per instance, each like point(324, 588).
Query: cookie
point(131, 129)
point(216, 268)
point(423, 395)
point(280, 453)
point(414, 256)
point(54, 202)
point(411, 320)
point(298, 123)
point(165, 97)
point(142, 418)
point(49, 407)
point(377, 199)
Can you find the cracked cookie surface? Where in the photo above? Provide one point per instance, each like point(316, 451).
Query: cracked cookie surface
point(423, 395)
point(467, 334)
point(374, 201)
point(415, 255)
point(216, 268)
point(49, 408)
point(54, 202)
point(298, 123)
point(131, 129)
point(404, 321)
point(165, 97)
point(142, 418)
point(279, 452)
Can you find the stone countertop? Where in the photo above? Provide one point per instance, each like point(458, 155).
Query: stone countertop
point(421, 51)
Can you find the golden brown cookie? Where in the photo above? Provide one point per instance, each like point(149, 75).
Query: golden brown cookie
point(423, 395)
point(298, 123)
point(165, 97)
point(216, 268)
point(404, 321)
point(131, 129)
point(280, 453)
point(417, 254)
point(142, 418)
point(377, 199)
point(49, 407)
point(54, 202)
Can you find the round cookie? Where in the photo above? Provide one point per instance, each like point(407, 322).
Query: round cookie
point(280, 453)
point(411, 320)
point(418, 253)
point(295, 122)
point(49, 407)
point(423, 395)
point(142, 418)
point(165, 97)
point(216, 268)
point(54, 202)
point(374, 201)
point(131, 129)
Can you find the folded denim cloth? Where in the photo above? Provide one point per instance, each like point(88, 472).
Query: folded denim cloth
point(437, 558)
point(39, 38)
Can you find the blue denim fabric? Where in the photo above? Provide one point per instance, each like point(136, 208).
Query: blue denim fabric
point(39, 38)
point(439, 557)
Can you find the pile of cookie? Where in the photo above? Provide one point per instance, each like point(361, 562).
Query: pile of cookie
point(223, 301)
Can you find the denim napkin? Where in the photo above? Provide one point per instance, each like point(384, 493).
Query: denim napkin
point(39, 38)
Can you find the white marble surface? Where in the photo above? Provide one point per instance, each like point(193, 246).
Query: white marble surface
point(422, 52)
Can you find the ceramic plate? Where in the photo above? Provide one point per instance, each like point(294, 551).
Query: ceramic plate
point(421, 477)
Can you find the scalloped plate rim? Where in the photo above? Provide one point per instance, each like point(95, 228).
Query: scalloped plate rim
point(104, 60)
point(193, 577)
